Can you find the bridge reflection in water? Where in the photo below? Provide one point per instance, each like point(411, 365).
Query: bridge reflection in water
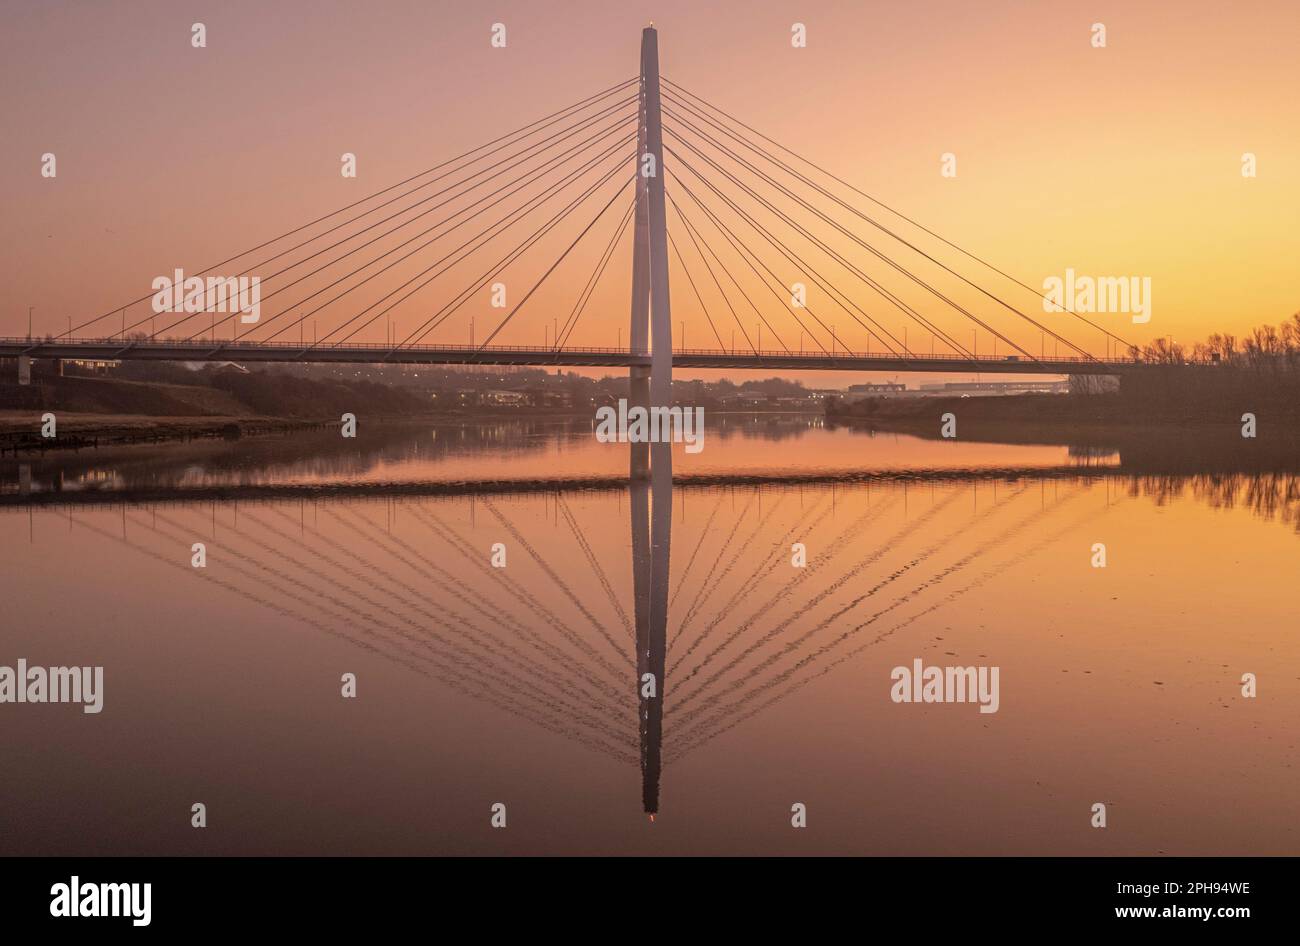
point(746, 630)
point(652, 523)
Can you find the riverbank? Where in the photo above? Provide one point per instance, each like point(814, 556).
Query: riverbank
point(20, 431)
point(1093, 427)
point(1031, 418)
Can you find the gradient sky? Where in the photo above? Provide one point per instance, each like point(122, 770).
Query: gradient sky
point(1116, 161)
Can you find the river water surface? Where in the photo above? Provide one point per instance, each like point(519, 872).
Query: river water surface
point(476, 685)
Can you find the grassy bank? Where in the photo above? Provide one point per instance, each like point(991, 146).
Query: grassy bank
point(99, 412)
point(20, 430)
point(1093, 425)
point(1047, 417)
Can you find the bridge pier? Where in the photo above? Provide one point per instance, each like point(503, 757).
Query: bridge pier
point(650, 386)
point(651, 314)
point(661, 320)
point(638, 338)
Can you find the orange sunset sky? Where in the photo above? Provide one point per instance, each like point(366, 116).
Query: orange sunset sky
point(1119, 161)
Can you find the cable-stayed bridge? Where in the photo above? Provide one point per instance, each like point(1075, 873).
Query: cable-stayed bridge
point(782, 264)
point(569, 356)
point(733, 237)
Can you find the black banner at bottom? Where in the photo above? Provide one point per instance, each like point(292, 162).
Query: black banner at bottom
point(145, 896)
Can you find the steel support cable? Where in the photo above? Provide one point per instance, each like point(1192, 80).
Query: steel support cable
point(691, 279)
point(848, 535)
point(594, 562)
point(490, 610)
point(618, 236)
point(952, 596)
point(559, 583)
point(839, 297)
point(589, 286)
point(450, 677)
point(512, 586)
point(534, 174)
point(739, 595)
point(463, 659)
point(808, 206)
point(528, 295)
point(792, 646)
point(755, 578)
point(488, 657)
point(810, 604)
point(479, 240)
point(461, 298)
point(885, 206)
point(368, 621)
point(735, 527)
point(744, 252)
point(702, 733)
point(525, 597)
point(855, 270)
point(706, 531)
point(450, 308)
point(735, 557)
point(789, 254)
point(526, 178)
point(567, 687)
point(517, 134)
point(723, 266)
point(844, 303)
point(730, 308)
point(560, 157)
point(562, 336)
point(461, 252)
point(708, 578)
point(856, 239)
point(610, 130)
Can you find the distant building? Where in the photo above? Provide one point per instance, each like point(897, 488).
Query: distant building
point(745, 399)
point(540, 397)
point(93, 366)
point(998, 387)
point(883, 387)
point(503, 398)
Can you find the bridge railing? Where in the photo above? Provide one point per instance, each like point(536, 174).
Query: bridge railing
point(894, 356)
point(211, 347)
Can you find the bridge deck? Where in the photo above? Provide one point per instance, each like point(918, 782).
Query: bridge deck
point(373, 353)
